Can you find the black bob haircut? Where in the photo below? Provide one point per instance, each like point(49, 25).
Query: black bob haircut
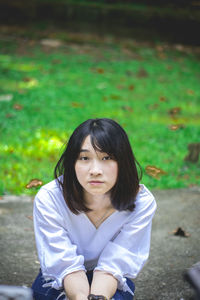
point(109, 137)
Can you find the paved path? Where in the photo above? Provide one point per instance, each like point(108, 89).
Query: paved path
point(161, 278)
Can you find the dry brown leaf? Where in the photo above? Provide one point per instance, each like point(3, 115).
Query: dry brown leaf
point(76, 104)
point(127, 108)
point(17, 106)
point(180, 232)
point(174, 111)
point(163, 99)
point(131, 87)
point(175, 127)
point(9, 116)
point(30, 217)
point(27, 79)
point(115, 97)
point(190, 92)
point(100, 70)
point(34, 183)
point(105, 99)
point(154, 171)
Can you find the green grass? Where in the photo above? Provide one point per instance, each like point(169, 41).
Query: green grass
point(57, 89)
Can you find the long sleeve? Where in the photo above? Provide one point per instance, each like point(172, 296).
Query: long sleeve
point(57, 254)
point(127, 253)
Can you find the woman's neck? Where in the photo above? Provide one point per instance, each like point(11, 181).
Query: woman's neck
point(98, 202)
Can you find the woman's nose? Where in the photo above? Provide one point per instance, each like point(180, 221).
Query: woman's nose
point(95, 168)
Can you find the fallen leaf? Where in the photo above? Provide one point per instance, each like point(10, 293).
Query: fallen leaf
point(142, 73)
point(34, 183)
point(174, 127)
point(131, 87)
point(190, 92)
point(9, 116)
point(180, 232)
point(1, 198)
point(77, 105)
point(6, 98)
point(17, 106)
point(115, 97)
point(163, 99)
point(174, 111)
point(154, 172)
point(127, 108)
point(105, 99)
point(100, 70)
point(30, 217)
point(11, 150)
point(27, 79)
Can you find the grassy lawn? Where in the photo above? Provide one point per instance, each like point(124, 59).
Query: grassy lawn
point(46, 92)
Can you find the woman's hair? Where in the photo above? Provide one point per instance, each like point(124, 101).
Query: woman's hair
point(109, 137)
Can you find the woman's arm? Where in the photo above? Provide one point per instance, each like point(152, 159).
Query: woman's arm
point(103, 284)
point(57, 254)
point(126, 254)
point(76, 286)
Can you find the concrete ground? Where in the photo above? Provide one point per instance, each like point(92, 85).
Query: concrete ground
point(161, 278)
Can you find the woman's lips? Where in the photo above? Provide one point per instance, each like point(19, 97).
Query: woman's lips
point(95, 182)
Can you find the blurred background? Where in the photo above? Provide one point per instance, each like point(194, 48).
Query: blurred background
point(62, 62)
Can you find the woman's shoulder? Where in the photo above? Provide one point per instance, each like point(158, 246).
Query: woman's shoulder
point(145, 199)
point(49, 192)
point(144, 192)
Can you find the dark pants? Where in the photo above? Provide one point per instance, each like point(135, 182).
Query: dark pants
point(48, 293)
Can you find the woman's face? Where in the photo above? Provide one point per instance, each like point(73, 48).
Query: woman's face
point(96, 171)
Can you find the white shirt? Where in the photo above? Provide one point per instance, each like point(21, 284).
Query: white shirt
point(67, 242)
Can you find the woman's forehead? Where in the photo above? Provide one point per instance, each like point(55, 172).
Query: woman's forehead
point(89, 145)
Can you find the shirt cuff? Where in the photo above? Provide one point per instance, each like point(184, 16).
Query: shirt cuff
point(57, 283)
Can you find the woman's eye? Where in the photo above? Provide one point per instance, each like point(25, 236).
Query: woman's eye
point(107, 157)
point(83, 158)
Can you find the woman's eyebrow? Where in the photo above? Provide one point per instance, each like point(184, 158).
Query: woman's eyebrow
point(84, 150)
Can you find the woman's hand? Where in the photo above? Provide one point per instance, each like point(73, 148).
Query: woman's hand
point(103, 284)
point(76, 286)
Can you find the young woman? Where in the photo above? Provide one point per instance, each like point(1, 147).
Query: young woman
point(93, 222)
